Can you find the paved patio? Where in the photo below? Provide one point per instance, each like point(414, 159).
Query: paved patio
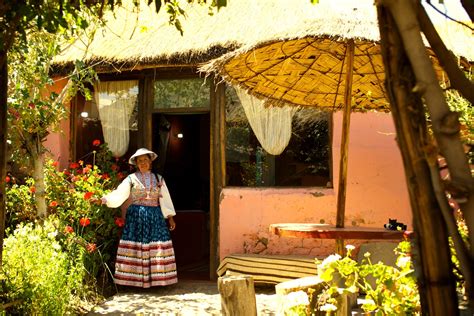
point(185, 298)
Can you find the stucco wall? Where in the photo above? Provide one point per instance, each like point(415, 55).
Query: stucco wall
point(376, 191)
point(58, 143)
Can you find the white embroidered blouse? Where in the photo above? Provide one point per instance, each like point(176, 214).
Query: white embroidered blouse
point(144, 189)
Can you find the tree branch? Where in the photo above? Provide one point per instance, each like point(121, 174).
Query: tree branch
point(469, 7)
point(456, 76)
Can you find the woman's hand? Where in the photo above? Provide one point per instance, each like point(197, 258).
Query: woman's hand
point(172, 223)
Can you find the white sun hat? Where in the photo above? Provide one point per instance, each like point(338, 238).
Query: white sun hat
point(141, 152)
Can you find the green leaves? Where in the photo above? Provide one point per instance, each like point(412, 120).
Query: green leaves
point(389, 290)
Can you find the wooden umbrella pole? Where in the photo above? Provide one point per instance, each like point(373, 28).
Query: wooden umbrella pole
point(341, 193)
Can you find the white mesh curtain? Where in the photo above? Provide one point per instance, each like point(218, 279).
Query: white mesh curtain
point(115, 101)
point(270, 124)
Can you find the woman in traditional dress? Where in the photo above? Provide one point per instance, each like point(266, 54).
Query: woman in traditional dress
point(145, 255)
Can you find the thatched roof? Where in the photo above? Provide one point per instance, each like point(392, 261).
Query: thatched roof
point(139, 37)
point(306, 66)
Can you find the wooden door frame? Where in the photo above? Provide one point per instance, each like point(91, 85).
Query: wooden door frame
point(216, 155)
point(217, 170)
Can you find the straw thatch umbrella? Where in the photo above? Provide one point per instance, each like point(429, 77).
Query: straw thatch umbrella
point(335, 63)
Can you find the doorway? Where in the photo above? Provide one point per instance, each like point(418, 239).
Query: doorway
point(182, 142)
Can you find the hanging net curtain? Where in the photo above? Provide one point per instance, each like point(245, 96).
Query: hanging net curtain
point(116, 101)
point(270, 124)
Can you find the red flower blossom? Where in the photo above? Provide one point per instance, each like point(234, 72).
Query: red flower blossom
point(73, 165)
point(86, 170)
point(75, 178)
point(120, 176)
point(32, 189)
point(68, 229)
point(119, 222)
point(84, 222)
point(96, 142)
point(105, 176)
point(55, 163)
point(115, 167)
point(91, 248)
point(88, 195)
point(7, 179)
point(15, 113)
point(53, 204)
point(31, 105)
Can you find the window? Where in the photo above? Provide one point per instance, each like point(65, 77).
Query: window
point(111, 117)
point(305, 161)
point(181, 93)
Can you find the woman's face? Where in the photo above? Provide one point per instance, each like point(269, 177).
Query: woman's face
point(143, 163)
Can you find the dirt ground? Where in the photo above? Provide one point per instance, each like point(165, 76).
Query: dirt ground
point(185, 298)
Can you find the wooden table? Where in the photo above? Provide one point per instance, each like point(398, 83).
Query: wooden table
point(325, 231)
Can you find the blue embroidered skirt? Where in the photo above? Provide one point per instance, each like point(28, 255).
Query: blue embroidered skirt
point(145, 255)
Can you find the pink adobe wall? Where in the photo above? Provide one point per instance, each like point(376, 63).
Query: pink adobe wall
point(58, 143)
point(376, 191)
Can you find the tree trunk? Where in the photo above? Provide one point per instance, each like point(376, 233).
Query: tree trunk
point(38, 176)
point(237, 295)
point(445, 124)
point(432, 257)
point(3, 143)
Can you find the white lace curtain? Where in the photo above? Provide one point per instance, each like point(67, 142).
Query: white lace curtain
point(115, 101)
point(270, 124)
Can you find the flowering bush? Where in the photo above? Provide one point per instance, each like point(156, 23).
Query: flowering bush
point(39, 273)
point(87, 233)
point(394, 293)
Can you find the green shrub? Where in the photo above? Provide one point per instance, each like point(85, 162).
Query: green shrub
point(20, 204)
point(395, 291)
point(80, 235)
point(38, 272)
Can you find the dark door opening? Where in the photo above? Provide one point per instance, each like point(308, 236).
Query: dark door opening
point(182, 142)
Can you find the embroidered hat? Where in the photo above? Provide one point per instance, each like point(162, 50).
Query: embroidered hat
point(141, 152)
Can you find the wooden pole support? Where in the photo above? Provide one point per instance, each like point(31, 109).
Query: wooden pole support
point(237, 295)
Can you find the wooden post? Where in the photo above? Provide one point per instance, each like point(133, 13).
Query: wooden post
point(341, 192)
point(217, 170)
point(237, 295)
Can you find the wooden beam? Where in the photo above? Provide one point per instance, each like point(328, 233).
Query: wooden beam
point(341, 192)
point(217, 170)
point(145, 106)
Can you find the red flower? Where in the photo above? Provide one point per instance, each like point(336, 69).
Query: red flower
point(86, 170)
point(120, 176)
point(115, 167)
point(91, 248)
point(55, 163)
point(96, 142)
point(119, 222)
point(105, 176)
point(73, 165)
point(84, 222)
point(32, 189)
point(15, 113)
point(53, 204)
point(88, 195)
point(68, 229)
point(7, 179)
